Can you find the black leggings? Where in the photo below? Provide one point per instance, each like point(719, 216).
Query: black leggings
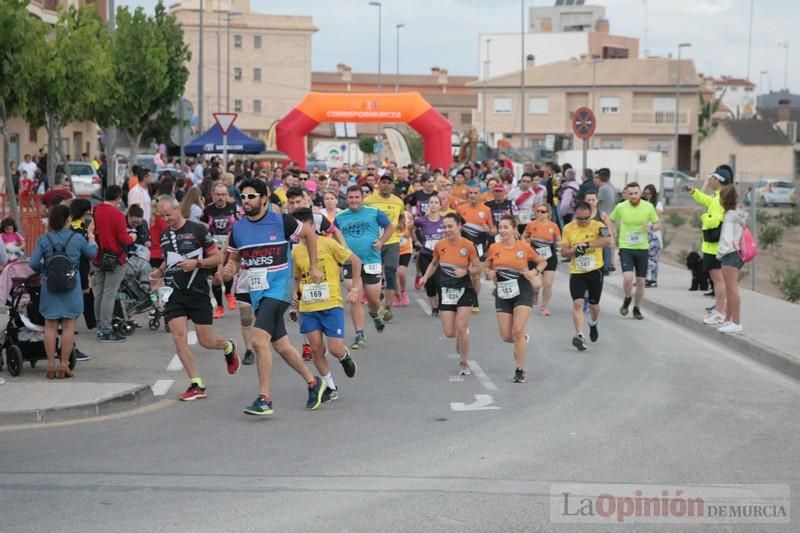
point(432, 285)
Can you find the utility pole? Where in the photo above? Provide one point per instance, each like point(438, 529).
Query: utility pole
point(749, 41)
point(677, 115)
point(522, 109)
point(219, 62)
point(485, 93)
point(200, 69)
point(785, 46)
point(397, 59)
point(111, 132)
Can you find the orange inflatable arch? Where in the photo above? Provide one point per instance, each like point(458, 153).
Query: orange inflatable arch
point(410, 108)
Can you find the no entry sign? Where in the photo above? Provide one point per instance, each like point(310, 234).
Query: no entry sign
point(583, 123)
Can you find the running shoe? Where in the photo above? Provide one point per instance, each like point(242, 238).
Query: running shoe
point(579, 342)
point(714, 319)
point(219, 312)
point(435, 313)
point(417, 282)
point(731, 327)
point(464, 369)
point(544, 311)
point(519, 376)
point(112, 336)
point(330, 394)
point(232, 359)
point(637, 314)
point(404, 301)
point(651, 284)
point(624, 309)
point(348, 365)
point(315, 393)
point(293, 315)
point(593, 333)
point(261, 407)
point(711, 308)
point(231, 301)
point(387, 314)
point(194, 392)
point(307, 353)
point(359, 343)
point(380, 325)
point(80, 356)
point(249, 357)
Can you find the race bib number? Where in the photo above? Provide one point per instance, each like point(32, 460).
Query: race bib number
point(221, 240)
point(479, 248)
point(545, 252)
point(585, 263)
point(524, 217)
point(316, 292)
point(507, 289)
point(635, 238)
point(451, 296)
point(257, 279)
point(430, 244)
point(372, 268)
point(403, 241)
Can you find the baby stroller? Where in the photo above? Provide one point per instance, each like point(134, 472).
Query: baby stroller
point(23, 338)
point(134, 297)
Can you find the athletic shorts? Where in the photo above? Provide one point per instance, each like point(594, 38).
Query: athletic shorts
point(390, 255)
point(269, 317)
point(193, 305)
point(634, 260)
point(732, 259)
point(367, 279)
point(405, 260)
point(468, 298)
point(241, 289)
point(156, 263)
point(329, 321)
point(525, 298)
point(710, 262)
point(592, 282)
point(552, 263)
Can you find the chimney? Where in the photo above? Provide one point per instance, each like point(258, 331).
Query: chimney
point(340, 68)
point(602, 26)
point(784, 112)
point(441, 77)
point(545, 25)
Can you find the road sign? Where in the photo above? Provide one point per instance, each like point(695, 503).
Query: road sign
point(583, 123)
point(225, 121)
point(175, 135)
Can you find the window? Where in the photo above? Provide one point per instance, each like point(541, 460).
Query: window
point(538, 106)
point(256, 106)
point(256, 41)
point(611, 144)
point(664, 104)
point(237, 41)
point(609, 105)
point(655, 145)
point(256, 74)
point(237, 74)
point(446, 116)
point(502, 106)
point(237, 106)
point(466, 118)
point(32, 135)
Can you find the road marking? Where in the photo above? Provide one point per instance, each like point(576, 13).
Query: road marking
point(425, 306)
point(481, 375)
point(453, 356)
point(175, 364)
point(192, 338)
point(483, 402)
point(456, 379)
point(162, 386)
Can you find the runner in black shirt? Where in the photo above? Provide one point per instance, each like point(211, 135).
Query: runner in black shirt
point(219, 217)
point(190, 256)
point(500, 205)
point(419, 199)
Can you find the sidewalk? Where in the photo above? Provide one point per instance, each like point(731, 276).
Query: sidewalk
point(769, 335)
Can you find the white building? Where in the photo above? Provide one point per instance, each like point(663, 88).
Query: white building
point(738, 96)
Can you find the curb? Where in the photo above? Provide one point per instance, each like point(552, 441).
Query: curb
point(131, 399)
point(783, 362)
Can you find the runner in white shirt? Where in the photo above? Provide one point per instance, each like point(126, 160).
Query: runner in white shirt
point(524, 200)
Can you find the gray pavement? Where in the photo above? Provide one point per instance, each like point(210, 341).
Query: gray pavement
point(649, 403)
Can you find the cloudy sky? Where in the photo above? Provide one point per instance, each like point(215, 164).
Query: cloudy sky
point(445, 32)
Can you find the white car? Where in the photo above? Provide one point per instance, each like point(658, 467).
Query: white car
point(85, 181)
point(775, 192)
point(673, 177)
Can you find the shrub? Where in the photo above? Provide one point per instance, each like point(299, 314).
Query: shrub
point(787, 280)
point(769, 236)
point(695, 221)
point(762, 217)
point(367, 145)
point(791, 218)
point(682, 256)
point(675, 219)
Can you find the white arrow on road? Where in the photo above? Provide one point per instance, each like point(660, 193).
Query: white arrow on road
point(482, 403)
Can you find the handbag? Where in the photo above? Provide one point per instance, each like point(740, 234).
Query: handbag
point(108, 261)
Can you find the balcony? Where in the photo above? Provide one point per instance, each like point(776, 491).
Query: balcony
point(659, 118)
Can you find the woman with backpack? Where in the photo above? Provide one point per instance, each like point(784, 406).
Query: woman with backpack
point(730, 246)
point(57, 257)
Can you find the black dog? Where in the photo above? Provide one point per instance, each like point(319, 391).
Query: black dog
point(700, 279)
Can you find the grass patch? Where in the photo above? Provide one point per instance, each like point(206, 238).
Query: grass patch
point(787, 280)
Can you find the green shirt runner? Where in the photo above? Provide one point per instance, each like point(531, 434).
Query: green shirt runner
point(633, 234)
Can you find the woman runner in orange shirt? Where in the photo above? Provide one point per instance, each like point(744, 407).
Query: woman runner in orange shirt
point(545, 237)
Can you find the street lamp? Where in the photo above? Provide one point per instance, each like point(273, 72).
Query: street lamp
point(230, 15)
point(397, 60)
point(761, 81)
point(595, 61)
point(677, 113)
point(486, 63)
point(200, 68)
point(380, 8)
point(785, 46)
point(522, 109)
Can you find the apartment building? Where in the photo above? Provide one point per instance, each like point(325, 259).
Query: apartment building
point(634, 101)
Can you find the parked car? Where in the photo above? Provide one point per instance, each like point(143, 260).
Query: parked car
point(775, 192)
point(85, 181)
point(675, 177)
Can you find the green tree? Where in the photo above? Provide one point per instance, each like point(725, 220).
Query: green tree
point(367, 145)
point(149, 60)
point(17, 62)
point(72, 77)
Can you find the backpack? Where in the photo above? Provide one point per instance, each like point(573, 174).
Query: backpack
point(747, 246)
point(575, 189)
point(62, 272)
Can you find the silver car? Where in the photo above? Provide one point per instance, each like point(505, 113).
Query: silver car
point(85, 181)
point(775, 192)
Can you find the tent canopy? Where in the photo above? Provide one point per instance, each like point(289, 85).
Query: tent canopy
point(211, 142)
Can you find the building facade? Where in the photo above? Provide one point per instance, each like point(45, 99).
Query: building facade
point(634, 101)
point(736, 95)
point(754, 148)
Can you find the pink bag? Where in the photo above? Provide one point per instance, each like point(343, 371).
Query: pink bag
point(747, 247)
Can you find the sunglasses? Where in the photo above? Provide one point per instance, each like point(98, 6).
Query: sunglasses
point(303, 179)
point(252, 196)
point(543, 211)
point(370, 168)
point(583, 219)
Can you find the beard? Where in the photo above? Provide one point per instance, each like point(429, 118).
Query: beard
point(636, 202)
point(251, 210)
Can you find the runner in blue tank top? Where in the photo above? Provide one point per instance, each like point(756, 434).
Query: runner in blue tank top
point(260, 245)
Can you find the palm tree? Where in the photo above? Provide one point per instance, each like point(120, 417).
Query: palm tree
point(705, 121)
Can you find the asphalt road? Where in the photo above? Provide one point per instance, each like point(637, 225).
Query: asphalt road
point(648, 404)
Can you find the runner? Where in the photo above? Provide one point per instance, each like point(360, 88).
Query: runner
point(523, 197)
point(430, 230)
point(544, 236)
point(406, 251)
point(583, 241)
point(321, 304)
point(365, 231)
point(478, 228)
point(637, 219)
point(499, 205)
point(392, 206)
point(219, 217)
point(260, 246)
point(191, 257)
point(455, 262)
point(418, 200)
point(517, 271)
